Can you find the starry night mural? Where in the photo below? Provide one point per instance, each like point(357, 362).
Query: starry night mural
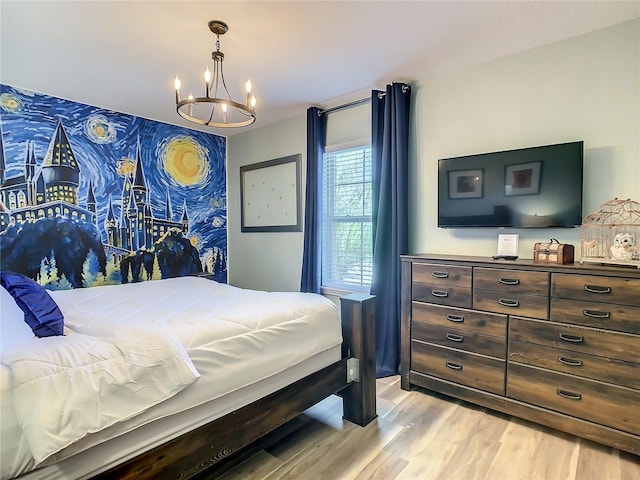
point(94, 197)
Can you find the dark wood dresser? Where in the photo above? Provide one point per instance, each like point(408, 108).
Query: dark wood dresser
point(554, 344)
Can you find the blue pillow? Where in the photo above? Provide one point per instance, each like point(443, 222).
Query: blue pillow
point(40, 311)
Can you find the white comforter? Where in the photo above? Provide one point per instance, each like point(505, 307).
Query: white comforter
point(67, 387)
point(233, 337)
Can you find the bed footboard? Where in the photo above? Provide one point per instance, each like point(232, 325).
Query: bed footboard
point(199, 450)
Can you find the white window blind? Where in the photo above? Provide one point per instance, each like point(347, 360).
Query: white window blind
point(347, 242)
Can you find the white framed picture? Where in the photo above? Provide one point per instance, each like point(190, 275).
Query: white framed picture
point(508, 244)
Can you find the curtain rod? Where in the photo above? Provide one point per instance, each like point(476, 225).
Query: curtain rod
point(346, 105)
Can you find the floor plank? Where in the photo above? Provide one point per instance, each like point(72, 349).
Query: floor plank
point(422, 435)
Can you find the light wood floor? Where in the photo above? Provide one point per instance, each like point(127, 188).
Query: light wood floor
point(420, 436)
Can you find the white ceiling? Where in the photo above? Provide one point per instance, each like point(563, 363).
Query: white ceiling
point(123, 56)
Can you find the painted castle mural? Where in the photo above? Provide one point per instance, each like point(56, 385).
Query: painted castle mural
point(93, 197)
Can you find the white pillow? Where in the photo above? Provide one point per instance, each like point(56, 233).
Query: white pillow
point(14, 331)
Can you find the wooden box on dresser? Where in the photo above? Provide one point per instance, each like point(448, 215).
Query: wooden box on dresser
point(554, 344)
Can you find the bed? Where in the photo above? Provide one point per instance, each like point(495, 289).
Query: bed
point(169, 378)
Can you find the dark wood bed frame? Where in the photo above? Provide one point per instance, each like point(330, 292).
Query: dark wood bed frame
point(209, 448)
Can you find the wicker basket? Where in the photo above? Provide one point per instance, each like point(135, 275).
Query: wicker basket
point(611, 234)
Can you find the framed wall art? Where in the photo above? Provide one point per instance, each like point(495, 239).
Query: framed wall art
point(465, 183)
point(270, 196)
point(522, 179)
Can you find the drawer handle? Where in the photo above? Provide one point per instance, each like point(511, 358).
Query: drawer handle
point(508, 303)
point(440, 274)
point(596, 314)
point(568, 394)
point(439, 293)
point(509, 281)
point(597, 289)
point(571, 338)
point(454, 338)
point(455, 318)
point(454, 366)
point(572, 362)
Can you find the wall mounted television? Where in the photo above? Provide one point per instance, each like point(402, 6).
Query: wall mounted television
point(528, 187)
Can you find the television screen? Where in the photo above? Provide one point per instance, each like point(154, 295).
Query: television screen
point(529, 187)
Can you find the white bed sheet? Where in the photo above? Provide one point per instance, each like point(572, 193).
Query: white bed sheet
point(256, 336)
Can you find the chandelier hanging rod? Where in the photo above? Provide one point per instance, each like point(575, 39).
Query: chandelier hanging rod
point(230, 113)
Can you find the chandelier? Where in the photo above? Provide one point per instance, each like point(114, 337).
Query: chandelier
point(215, 109)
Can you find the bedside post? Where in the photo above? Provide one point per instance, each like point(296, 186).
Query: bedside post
point(358, 326)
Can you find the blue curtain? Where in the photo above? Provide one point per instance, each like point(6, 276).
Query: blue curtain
point(316, 136)
point(390, 152)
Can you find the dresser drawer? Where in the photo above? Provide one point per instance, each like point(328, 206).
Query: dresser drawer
point(469, 369)
point(625, 291)
point(623, 318)
point(576, 363)
point(450, 317)
point(442, 294)
point(511, 281)
point(460, 339)
point(591, 400)
point(511, 303)
point(441, 274)
point(621, 346)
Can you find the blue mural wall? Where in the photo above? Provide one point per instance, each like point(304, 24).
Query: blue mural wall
point(91, 197)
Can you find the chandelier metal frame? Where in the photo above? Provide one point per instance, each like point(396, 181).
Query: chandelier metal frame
point(224, 112)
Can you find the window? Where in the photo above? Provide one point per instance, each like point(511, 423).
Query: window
point(22, 199)
point(347, 241)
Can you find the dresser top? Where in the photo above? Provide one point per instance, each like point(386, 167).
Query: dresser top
point(526, 264)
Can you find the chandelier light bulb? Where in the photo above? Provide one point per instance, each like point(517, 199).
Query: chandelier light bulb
point(207, 76)
point(248, 86)
point(253, 101)
point(177, 83)
point(224, 113)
